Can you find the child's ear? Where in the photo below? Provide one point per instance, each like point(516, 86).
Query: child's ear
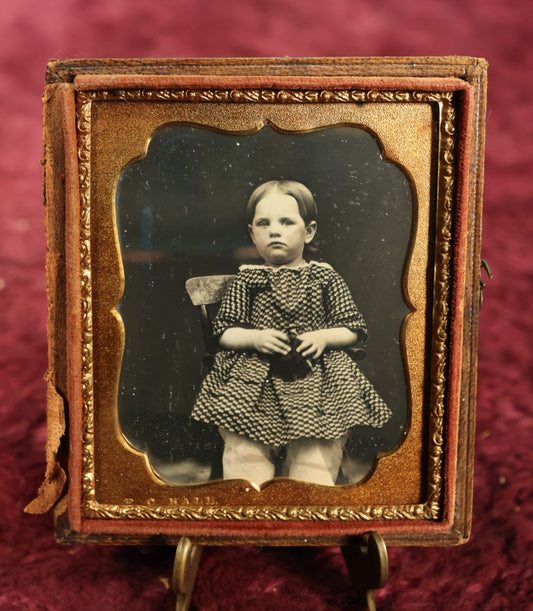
point(310, 232)
point(250, 231)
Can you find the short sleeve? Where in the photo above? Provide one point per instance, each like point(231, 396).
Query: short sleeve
point(341, 308)
point(234, 309)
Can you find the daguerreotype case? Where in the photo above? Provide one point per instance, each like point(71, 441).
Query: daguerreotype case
point(149, 165)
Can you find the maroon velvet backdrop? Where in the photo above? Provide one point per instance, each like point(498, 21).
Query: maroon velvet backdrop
point(494, 570)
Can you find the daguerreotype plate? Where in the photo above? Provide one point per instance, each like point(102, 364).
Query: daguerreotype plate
point(149, 165)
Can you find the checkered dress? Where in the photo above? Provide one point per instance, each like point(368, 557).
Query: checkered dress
point(243, 395)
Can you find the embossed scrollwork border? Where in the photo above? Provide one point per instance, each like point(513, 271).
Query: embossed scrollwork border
point(432, 508)
point(84, 104)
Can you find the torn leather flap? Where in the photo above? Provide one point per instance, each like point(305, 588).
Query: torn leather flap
point(57, 101)
point(55, 476)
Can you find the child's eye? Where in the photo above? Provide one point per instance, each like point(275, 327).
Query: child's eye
point(262, 223)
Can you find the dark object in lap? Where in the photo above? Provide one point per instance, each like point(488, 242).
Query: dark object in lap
point(290, 366)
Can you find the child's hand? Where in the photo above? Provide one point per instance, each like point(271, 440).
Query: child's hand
point(313, 344)
point(271, 341)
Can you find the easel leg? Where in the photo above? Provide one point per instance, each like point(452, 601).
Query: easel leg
point(368, 565)
point(186, 563)
point(366, 559)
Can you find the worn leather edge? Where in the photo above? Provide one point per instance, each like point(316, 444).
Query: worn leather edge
point(55, 476)
point(93, 82)
point(448, 66)
point(467, 423)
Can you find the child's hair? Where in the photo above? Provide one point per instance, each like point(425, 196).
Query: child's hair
point(306, 202)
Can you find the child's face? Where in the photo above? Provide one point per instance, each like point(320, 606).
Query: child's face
point(278, 231)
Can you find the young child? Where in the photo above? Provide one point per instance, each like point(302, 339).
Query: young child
point(285, 379)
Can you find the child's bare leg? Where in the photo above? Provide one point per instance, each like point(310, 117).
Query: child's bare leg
point(245, 458)
point(315, 460)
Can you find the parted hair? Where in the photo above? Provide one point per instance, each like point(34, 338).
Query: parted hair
point(304, 198)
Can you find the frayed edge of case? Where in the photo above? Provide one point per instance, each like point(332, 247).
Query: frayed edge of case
point(55, 477)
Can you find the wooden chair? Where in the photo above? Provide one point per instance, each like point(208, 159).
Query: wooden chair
point(207, 291)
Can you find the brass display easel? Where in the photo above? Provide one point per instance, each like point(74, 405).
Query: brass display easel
point(366, 559)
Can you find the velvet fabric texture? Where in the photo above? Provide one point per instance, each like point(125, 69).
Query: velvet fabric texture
point(491, 572)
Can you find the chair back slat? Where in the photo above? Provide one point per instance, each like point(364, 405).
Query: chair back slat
point(206, 290)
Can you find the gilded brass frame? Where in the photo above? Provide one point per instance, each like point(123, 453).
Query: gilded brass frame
point(429, 510)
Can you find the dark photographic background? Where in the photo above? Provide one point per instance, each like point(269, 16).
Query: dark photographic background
point(180, 213)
